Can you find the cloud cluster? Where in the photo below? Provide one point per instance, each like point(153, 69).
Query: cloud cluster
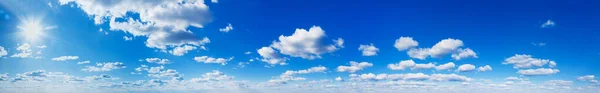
point(368, 50)
point(206, 59)
point(3, 52)
point(102, 67)
point(65, 58)
point(354, 66)
point(165, 23)
point(409, 77)
point(158, 61)
point(288, 75)
point(525, 62)
point(440, 49)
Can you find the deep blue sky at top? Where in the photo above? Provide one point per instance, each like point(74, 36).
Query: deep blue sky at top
point(494, 29)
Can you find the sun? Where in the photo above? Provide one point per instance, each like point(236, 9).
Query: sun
point(31, 29)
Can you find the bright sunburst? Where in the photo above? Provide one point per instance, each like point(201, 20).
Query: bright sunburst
point(32, 29)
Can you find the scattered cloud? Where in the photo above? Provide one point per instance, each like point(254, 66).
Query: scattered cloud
point(215, 75)
point(590, 78)
point(206, 59)
point(548, 24)
point(289, 75)
point(354, 66)
point(538, 72)
point(127, 38)
point(158, 61)
point(447, 66)
point(539, 44)
point(103, 67)
point(3, 52)
point(404, 64)
point(271, 56)
point(25, 51)
point(423, 66)
point(409, 77)
point(466, 68)
point(526, 61)
point(228, 28)
point(404, 43)
point(307, 44)
point(83, 62)
point(368, 50)
point(484, 68)
point(464, 53)
point(65, 58)
point(442, 48)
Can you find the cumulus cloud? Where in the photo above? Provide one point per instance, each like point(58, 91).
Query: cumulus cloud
point(404, 43)
point(354, 66)
point(215, 75)
point(409, 77)
point(590, 78)
point(339, 79)
point(206, 59)
point(83, 62)
point(161, 72)
point(163, 22)
point(464, 53)
point(3, 52)
point(442, 48)
point(538, 72)
point(466, 68)
point(158, 61)
point(103, 67)
point(127, 38)
point(307, 44)
point(228, 28)
point(289, 75)
point(368, 50)
point(484, 68)
point(527, 61)
point(271, 56)
point(182, 50)
point(65, 58)
point(423, 66)
point(404, 64)
point(447, 66)
point(25, 51)
point(548, 24)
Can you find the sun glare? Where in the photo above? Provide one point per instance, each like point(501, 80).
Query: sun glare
point(32, 30)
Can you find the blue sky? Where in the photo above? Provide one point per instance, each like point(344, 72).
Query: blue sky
point(265, 45)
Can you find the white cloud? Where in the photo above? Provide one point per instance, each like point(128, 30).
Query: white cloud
point(590, 78)
point(404, 43)
point(527, 61)
point(548, 24)
point(25, 51)
point(447, 66)
point(444, 47)
point(354, 66)
point(180, 51)
point(160, 72)
point(484, 68)
point(163, 22)
point(214, 1)
point(248, 53)
point(404, 64)
point(127, 38)
point(215, 75)
point(228, 28)
point(409, 77)
point(368, 50)
point(289, 75)
point(102, 67)
point(65, 58)
point(515, 79)
point(464, 53)
point(271, 56)
point(206, 59)
point(423, 66)
point(83, 62)
point(539, 44)
point(158, 61)
point(307, 44)
point(466, 68)
point(558, 83)
point(418, 53)
point(3, 52)
point(538, 72)
point(339, 79)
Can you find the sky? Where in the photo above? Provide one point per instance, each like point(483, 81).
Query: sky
point(322, 46)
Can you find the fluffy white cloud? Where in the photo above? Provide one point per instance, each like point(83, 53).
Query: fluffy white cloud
point(182, 50)
point(65, 58)
point(485, 68)
point(590, 78)
point(25, 51)
point(83, 62)
point(158, 61)
point(271, 56)
point(215, 75)
point(538, 72)
point(404, 43)
point(3, 52)
point(409, 77)
point(339, 79)
point(466, 68)
point(368, 50)
point(404, 64)
point(423, 66)
point(102, 67)
point(442, 48)
point(354, 66)
point(127, 38)
point(548, 24)
point(307, 44)
point(289, 75)
point(161, 72)
point(558, 83)
point(228, 28)
point(163, 22)
point(527, 61)
point(464, 53)
point(206, 59)
point(447, 66)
